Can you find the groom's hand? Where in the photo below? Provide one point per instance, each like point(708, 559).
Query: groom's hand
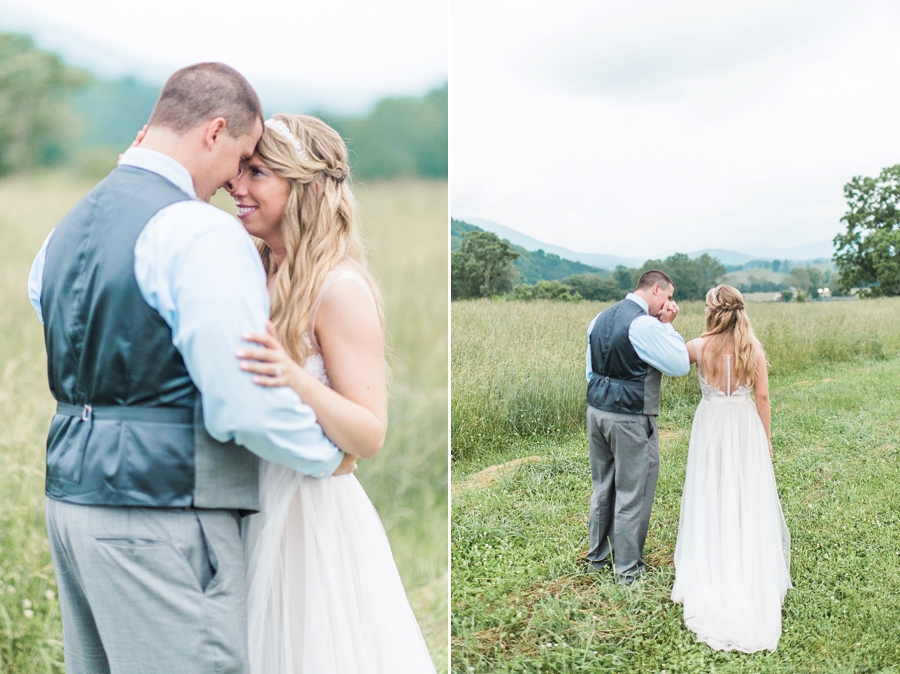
point(669, 312)
point(347, 465)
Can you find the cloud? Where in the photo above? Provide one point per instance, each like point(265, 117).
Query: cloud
point(653, 48)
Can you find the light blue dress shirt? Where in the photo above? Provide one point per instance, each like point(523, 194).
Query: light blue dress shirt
point(656, 343)
point(199, 269)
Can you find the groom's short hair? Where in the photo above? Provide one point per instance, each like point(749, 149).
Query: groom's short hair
point(651, 278)
point(204, 91)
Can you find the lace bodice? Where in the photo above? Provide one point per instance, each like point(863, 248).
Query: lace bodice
point(712, 392)
point(315, 365)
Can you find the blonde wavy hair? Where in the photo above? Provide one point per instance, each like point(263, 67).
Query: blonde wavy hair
point(727, 325)
point(319, 225)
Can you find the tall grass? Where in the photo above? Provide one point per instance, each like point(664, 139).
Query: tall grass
point(518, 367)
point(405, 223)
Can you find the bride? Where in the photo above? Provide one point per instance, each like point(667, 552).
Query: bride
point(324, 593)
point(732, 556)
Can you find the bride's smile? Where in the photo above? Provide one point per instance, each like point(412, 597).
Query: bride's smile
point(260, 196)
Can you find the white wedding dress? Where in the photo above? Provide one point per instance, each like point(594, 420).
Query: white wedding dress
point(324, 594)
point(732, 556)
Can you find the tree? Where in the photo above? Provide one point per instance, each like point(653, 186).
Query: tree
point(546, 290)
point(816, 281)
point(776, 265)
point(710, 271)
point(800, 280)
point(36, 123)
point(868, 253)
point(692, 278)
point(592, 287)
point(482, 266)
point(623, 276)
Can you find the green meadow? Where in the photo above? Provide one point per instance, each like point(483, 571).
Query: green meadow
point(521, 489)
point(405, 224)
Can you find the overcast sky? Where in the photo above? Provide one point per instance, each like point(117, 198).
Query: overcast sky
point(643, 128)
point(347, 52)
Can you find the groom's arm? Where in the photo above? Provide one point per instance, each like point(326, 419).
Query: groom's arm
point(36, 278)
point(659, 345)
point(588, 357)
point(198, 268)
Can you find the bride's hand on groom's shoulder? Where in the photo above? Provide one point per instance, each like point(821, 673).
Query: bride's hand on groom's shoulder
point(137, 141)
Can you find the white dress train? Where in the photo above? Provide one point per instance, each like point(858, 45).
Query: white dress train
point(732, 555)
point(324, 594)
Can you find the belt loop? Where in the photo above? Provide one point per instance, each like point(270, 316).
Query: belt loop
point(86, 413)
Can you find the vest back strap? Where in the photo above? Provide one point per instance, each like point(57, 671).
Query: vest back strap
point(171, 415)
point(621, 382)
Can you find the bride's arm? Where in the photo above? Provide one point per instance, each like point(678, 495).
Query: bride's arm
point(692, 351)
point(353, 413)
point(761, 393)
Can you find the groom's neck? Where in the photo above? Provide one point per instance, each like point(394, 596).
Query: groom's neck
point(182, 147)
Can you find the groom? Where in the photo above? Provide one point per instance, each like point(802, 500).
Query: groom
point(629, 345)
point(144, 290)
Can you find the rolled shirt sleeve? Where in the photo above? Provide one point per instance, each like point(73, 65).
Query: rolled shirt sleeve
point(198, 268)
point(659, 345)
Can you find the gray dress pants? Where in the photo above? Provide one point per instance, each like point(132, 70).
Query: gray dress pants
point(149, 590)
point(624, 455)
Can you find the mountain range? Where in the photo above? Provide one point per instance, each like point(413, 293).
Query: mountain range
point(808, 253)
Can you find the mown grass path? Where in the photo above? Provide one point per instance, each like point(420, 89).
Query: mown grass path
point(520, 602)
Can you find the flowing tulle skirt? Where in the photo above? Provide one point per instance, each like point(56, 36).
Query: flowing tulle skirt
point(324, 593)
point(732, 557)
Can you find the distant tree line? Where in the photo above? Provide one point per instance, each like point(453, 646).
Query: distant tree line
point(542, 277)
point(37, 123)
point(484, 265)
point(51, 114)
point(401, 137)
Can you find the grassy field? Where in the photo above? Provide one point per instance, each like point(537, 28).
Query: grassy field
point(518, 367)
point(405, 223)
point(520, 602)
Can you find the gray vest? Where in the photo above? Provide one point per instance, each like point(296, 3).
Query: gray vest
point(129, 424)
point(622, 382)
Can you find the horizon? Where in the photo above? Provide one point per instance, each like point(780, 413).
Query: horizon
point(631, 255)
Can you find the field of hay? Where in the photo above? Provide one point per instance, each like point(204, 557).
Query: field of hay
point(405, 223)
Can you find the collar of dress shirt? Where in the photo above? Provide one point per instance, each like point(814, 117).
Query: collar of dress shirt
point(639, 301)
point(161, 164)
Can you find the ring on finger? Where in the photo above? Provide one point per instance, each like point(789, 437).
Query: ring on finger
point(278, 370)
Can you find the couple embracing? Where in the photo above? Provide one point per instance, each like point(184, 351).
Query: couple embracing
point(182, 411)
point(732, 556)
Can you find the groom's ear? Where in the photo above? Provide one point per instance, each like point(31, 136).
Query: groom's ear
point(213, 130)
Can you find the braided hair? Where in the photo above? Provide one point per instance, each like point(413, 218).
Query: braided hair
point(319, 225)
point(728, 327)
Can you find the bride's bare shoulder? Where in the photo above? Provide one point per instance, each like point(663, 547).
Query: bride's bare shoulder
point(692, 349)
point(347, 305)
